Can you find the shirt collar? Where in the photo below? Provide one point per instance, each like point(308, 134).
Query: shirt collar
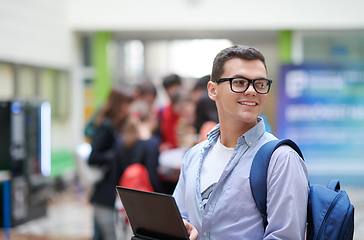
point(213, 134)
point(250, 137)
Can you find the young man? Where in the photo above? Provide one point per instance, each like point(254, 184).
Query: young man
point(213, 193)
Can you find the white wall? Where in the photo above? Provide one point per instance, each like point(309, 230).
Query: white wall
point(215, 14)
point(35, 32)
point(40, 32)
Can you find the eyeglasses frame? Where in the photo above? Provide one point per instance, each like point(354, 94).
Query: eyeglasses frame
point(250, 81)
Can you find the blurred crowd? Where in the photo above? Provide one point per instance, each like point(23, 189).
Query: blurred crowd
point(130, 128)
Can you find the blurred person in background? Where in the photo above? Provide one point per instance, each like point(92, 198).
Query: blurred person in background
point(206, 116)
point(185, 107)
point(108, 124)
point(168, 117)
point(185, 137)
point(146, 91)
point(140, 131)
point(200, 87)
point(171, 84)
point(139, 145)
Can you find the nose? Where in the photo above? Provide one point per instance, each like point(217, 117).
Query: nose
point(250, 90)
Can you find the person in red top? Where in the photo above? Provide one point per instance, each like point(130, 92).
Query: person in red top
point(168, 123)
point(168, 116)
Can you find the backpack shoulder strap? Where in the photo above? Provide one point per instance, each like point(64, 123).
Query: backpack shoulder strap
point(258, 173)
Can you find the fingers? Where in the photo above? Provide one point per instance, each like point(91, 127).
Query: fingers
point(193, 234)
point(191, 230)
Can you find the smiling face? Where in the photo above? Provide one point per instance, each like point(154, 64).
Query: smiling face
point(239, 108)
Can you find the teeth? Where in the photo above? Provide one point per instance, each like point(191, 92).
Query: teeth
point(248, 103)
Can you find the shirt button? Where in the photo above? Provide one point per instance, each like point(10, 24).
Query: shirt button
point(205, 234)
point(200, 205)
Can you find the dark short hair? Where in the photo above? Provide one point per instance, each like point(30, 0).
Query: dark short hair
point(171, 80)
point(236, 51)
point(206, 110)
point(181, 95)
point(147, 87)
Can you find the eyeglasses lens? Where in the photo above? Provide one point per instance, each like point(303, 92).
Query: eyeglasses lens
point(241, 85)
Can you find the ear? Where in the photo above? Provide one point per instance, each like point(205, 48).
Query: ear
point(211, 89)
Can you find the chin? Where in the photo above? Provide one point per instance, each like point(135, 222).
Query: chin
point(248, 118)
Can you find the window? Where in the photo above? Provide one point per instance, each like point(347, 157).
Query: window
point(26, 84)
point(7, 81)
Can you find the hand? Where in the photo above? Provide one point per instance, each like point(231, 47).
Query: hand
point(191, 230)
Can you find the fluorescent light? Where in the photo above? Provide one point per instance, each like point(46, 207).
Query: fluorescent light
point(45, 128)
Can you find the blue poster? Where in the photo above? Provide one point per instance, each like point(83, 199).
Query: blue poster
point(322, 109)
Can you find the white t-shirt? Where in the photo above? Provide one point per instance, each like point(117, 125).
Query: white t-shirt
point(213, 166)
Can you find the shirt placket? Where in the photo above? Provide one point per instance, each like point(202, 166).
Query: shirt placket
point(208, 213)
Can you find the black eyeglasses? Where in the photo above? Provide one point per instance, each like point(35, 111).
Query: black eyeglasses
point(241, 84)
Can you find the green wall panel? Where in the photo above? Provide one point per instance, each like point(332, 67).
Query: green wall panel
point(285, 46)
point(62, 162)
point(102, 80)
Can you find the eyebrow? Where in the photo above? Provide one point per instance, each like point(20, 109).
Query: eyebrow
point(238, 75)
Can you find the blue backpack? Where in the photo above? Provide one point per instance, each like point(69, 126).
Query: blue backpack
point(330, 215)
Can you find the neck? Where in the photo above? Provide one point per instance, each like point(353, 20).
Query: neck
point(230, 132)
point(229, 137)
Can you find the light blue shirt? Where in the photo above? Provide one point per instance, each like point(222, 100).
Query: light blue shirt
point(230, 212)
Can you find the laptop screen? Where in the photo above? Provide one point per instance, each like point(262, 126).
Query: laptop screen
point(153, 215)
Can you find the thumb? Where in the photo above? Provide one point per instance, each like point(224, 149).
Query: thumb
point(191, 230)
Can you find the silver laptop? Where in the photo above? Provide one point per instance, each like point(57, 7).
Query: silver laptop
point(152, 215)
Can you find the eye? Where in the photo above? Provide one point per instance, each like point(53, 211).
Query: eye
point(240, 81)
point(261, 84)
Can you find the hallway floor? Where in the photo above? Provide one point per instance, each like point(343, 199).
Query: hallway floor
point(70, 217)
